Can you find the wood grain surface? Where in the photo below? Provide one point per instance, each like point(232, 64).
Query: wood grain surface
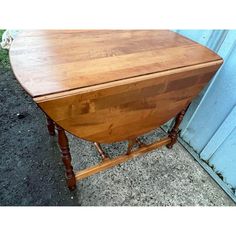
point(125, 109)
point(106, 86)
point(47, 62)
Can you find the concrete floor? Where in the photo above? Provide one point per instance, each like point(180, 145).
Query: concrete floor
point(162, 177)
point(31, 171)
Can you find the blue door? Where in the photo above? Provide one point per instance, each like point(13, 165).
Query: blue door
point(209, 126)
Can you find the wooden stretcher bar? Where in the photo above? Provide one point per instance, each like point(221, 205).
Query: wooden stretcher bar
point(106, 164)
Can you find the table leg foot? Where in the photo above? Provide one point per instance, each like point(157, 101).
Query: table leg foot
point(66, 158)
point(175, 130)
point(72, 187)
point(51, 126)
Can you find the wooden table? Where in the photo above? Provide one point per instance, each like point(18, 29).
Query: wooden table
point(111, 85)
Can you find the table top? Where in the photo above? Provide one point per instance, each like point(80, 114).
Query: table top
point(49, 62)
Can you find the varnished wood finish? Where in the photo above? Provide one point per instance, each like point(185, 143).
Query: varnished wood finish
point(131, 143)
point(120, 159)
point(66, 158)
point(47, 62)
point(174, 131)
point(101, 85)
point(111, 85)
point(126, 109)
point(51, 126)
point(101, 152)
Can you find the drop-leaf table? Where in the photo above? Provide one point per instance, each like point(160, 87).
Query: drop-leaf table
point(110, 85)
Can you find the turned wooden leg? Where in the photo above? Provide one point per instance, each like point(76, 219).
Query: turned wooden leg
point(66, 157)
point(51, 126)
point(101, 152)
point(131, 143)
point(175, 130)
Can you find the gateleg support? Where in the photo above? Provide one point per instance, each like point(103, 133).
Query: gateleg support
point(50, 125)
point(120, 159)
point(66, 157)
point(173, 134)
point(101, 152)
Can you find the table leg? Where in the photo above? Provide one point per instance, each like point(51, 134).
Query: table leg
point(131, 143)
point(175, 130)
point(66, 157)
point(51, 126)
point(101, 152)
